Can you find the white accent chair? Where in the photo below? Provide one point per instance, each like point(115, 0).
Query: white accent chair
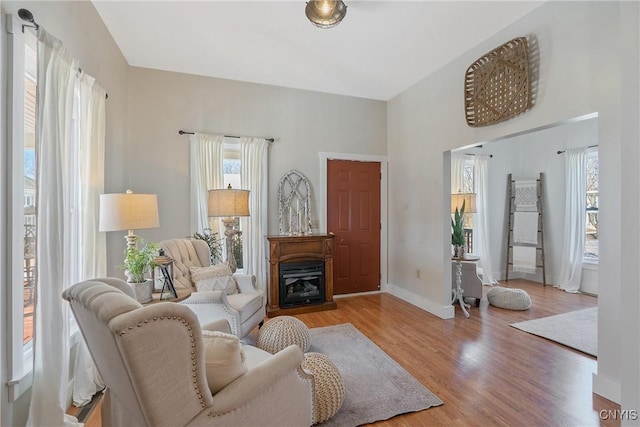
point(152, 362)
point(244, 310)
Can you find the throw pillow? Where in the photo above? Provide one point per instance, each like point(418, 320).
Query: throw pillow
point(223, 359)
point(214, 278)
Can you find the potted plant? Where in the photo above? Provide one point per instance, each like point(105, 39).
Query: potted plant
point(211, 238)
point(457, 233)
point(137, 262)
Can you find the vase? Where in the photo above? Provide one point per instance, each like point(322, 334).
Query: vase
point(458, 251)
point(143, 290)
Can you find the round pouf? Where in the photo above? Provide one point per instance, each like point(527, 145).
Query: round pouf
point(509, 298)
point(329, 386)
point(281, 332)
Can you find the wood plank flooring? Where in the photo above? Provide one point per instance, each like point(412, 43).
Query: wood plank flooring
point(486, 372)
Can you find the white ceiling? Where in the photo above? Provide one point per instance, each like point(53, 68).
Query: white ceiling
point(380, 49)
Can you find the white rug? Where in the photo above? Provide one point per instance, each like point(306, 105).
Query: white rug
point(576, 329)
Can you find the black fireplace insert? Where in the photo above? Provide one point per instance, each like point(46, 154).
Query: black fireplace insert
point(301, 283)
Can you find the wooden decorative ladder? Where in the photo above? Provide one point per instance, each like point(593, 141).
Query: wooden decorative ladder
point(512, 208)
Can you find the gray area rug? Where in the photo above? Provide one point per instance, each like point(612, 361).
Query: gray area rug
point(576, 329)
point(376, 387)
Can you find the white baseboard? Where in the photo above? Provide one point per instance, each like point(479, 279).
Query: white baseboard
point(442, 311)
point(607, 388)
point(355, 294)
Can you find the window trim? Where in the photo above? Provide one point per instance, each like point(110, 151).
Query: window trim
point(20, 368)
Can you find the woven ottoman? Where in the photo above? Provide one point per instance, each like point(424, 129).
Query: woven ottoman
point(281, 332)
point(328, 391)
point(509, 298)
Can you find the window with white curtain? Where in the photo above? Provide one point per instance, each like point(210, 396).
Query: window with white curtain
point(591, 223)
point(22, 195)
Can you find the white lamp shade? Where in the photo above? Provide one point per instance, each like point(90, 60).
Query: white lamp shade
point(228, 203)
point(128, 211)
point(469, 202)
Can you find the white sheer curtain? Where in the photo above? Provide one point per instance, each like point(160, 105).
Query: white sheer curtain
point(457, 173)
point(575, 213)
point(90, 125)
point(481, 234)
point(207, 156)
point(254, 161)
point(56, 81)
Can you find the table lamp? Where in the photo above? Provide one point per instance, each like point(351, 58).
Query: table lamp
point(469, 202)
point(128, 211)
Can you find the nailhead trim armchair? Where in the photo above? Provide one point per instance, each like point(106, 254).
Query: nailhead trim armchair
point(244, 310)
point(152, 362)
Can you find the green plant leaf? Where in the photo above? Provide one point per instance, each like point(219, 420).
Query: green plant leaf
point(457, 226)
point(213, 241)
point(137, 262)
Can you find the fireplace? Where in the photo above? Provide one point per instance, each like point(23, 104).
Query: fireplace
point(301, 283)
point(307, 263)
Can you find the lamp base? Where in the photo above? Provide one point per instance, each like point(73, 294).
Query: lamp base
point(132, 240)
point(230, 232)
point(231, 260)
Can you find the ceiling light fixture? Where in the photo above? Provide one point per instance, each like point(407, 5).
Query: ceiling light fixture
point(325, 13)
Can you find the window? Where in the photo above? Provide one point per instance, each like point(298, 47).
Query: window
point(20, 176)
point(29, 189)
point(232, 167)
point(468, 186)
point(467, 176)
point(591, 224)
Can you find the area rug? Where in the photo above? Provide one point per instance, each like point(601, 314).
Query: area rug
point(576, 329)
point(376, 387)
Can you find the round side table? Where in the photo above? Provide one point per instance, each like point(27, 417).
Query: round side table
point(458, 293)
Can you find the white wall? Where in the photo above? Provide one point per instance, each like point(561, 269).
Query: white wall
point(525, 157)
point(303, 124)
point(83, 33)
point(585, 51)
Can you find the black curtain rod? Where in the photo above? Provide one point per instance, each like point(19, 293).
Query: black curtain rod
point(185, 132)
point(106, 95)
point(26, 15)
point(471, 154)
point(564, 151)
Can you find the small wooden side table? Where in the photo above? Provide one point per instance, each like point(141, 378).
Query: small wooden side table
point(458, 293)
point(183, 294)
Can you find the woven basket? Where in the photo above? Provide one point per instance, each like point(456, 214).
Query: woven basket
point(281, 332)
point(497, 86)
point(328, 393)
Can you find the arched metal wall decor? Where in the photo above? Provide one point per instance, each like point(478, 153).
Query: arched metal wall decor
point(294, 204)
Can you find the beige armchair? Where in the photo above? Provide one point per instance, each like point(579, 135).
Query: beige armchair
point(244, 310)
point(152, 362)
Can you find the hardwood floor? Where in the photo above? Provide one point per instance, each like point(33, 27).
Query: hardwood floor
point(486, 372)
